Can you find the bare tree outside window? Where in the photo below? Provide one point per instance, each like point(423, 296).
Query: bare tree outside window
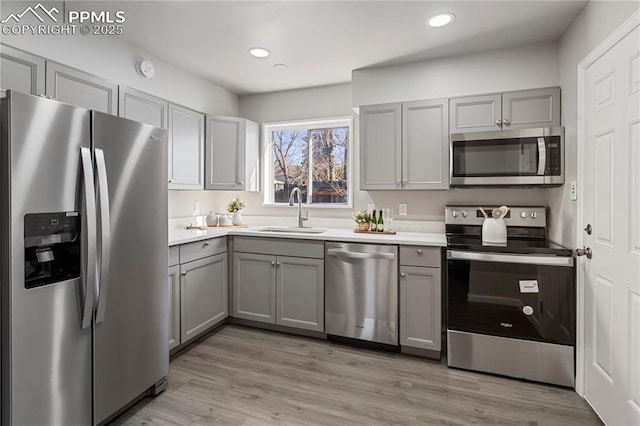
point(314, 160)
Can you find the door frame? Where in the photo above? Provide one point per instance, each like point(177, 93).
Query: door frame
point(620, 33)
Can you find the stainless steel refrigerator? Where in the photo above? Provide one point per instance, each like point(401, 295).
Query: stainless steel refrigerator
point(83, 249)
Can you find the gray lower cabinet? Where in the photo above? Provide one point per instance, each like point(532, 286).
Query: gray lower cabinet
point(174, 306)
point(274, 287)
point(405, 146)
point(519, 109)
point(421, 298)
point(21, 71)
point(142, 107)
point(186, 148)
point(300, 292)
point(203, 295)
point(82, 89)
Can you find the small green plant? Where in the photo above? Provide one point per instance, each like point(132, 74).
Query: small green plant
point(235, 205)
point(362, 216)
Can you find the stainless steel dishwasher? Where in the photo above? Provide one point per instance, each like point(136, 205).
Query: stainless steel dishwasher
point(361, 292)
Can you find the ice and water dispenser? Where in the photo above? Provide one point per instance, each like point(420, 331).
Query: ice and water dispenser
point(51, 248)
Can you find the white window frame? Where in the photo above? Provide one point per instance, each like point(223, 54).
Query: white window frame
point(267, 159)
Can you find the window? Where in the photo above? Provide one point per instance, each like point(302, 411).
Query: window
point(313, 156)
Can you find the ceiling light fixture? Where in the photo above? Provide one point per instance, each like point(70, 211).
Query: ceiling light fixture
point(441, 19)
point(259, 52)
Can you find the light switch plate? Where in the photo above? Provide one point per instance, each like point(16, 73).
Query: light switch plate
point(196, 207)
point(573, 191)
point(402, 209)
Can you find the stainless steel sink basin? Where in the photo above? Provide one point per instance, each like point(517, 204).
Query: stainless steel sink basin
point(293, 230)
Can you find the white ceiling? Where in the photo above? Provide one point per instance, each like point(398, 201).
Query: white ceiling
point(323, 41)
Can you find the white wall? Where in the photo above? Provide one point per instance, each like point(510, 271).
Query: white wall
point(524, 67)
point(115, 60)
point(596, 22)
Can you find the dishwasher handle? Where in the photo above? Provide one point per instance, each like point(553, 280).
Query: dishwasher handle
point(359, 255)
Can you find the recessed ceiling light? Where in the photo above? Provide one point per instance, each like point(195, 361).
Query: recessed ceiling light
point(441, 19)
point(259, 52)
point(280, 67)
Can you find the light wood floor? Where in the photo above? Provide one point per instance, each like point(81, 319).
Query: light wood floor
point(243, 376)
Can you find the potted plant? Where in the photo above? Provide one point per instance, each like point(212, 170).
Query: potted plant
point(235, 207)
point(362, 219)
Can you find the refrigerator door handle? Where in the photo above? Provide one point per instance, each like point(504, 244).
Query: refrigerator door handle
point(90, 267)
point(105, 234)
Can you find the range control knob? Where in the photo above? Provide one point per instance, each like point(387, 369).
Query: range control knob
point(454, 213)
point(465, 213)
point(534, 215)
point(523, 214)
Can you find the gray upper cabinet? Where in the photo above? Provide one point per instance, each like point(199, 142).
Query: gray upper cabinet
point(476, 114)
point(232, 152)
point(21, 71)
point(203, 295)
point(79, 88)
point(509, 110)
point(404, 146)
point(425, 145)
point(254, 287)
point(381, 146)
point(531, 108)
point(186, 148)
point(300, 293)
point(142, 107)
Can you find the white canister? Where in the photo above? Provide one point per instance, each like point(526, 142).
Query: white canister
point(494, 231)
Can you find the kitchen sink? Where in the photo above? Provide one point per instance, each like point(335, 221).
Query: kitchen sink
point(293, 230)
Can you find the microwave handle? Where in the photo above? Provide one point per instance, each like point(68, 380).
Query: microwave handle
point(542, 156)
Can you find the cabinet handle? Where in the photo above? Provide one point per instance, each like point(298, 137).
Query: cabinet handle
point(498, 123)
point(206, 244)
point(404, 181)
point(506, 122)
point(184, 273)
point(239, 182)
point(420, 252)
point(170, 180)
point(273, 263)
point(277, 263)
point(402, 274)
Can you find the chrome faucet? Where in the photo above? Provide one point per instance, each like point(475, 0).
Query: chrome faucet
point(301, 218)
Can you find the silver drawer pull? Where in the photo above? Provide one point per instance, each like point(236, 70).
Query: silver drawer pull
point(206, 244)
point(420, 252)
point(273, 263)
point(184, 274)
point(402, 274)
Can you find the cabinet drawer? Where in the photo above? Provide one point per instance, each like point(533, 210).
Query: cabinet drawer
point(420, 256)
point(200, 249)
point(279, 247)
point(174, 255)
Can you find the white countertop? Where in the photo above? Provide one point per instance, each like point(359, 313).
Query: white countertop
point(182, 236)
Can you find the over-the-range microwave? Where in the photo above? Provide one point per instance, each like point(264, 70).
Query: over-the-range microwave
point(523, 157)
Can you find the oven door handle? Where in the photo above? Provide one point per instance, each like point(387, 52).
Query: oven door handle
point(510, 258)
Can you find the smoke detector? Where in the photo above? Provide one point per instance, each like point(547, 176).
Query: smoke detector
point(145, 69)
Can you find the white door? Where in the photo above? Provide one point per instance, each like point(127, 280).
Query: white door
point(611, 179)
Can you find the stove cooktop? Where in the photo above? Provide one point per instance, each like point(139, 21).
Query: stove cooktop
point(513, 245)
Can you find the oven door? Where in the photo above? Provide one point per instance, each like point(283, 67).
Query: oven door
point(528, 297)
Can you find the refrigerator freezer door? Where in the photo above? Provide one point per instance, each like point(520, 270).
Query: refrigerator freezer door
point(131, 346)
point(46, 354)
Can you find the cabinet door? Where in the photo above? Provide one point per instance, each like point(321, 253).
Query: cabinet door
point(254, 287)
point(203, 295)
point(82, 89)
point(225, 153)
point(380, 147)
point(420, 307)
point(21, 71)
point(531, 108)
point(186, 148)
point(476, 114)
point(300, 293)
point(142, 107)
point(425, 144)
point(174, 306)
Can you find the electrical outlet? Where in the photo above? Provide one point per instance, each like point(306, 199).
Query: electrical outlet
point(573, 191)
point(371, 207)
point(402, 209)
point(196, 208)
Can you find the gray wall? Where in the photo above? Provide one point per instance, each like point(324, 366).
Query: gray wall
point(596, 22)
